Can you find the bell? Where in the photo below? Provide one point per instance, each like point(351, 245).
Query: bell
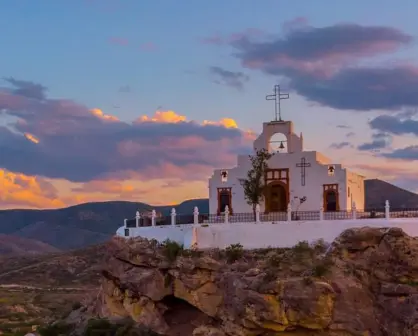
point(281, 145)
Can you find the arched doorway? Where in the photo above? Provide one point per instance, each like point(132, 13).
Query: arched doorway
point(224, 199)
point(276, 197)
point(331, 200)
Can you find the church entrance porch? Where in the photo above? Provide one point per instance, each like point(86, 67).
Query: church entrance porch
point(331, 197)
point(276, 197)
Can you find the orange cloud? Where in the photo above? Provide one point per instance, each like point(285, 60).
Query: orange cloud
point(173, 118)
point(31, 137)
point(99, 114)
point(386, 170)
point(93, 156)
point(163, 117)
point(108, 187)
point(154, 191)
point(225, 122)
point(21, 190)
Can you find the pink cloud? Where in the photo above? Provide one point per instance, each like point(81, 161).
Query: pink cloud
point(119, 41)
point(79, 144)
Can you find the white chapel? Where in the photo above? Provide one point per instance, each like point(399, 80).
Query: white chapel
point(306, 180)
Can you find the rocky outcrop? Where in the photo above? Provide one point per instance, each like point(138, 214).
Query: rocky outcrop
point(365, 283)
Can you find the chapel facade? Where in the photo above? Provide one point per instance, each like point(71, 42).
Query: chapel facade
point(305, 179)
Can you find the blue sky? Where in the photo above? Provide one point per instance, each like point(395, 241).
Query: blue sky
point(86, 50)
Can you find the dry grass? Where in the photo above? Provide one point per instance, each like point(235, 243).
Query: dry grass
point(21, 308)
point(35, 290)
point(71, 269)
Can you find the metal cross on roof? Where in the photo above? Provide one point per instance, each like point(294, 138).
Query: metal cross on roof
point(277, 97)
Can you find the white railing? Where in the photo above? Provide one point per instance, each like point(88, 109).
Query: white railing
point(257, 217)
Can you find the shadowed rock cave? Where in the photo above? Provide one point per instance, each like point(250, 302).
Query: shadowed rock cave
point(182, 317)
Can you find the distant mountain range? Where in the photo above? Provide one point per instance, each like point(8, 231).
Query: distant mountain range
point(42, 231)
point(77, 226)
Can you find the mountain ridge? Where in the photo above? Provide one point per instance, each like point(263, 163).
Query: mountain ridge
point(87, 224)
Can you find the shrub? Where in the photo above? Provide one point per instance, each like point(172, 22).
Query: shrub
point(320, 245)
point(322, 268)
point(302, 247)
point(154, 243)
point(172, 249)
point(234, 252)
point(274, 260)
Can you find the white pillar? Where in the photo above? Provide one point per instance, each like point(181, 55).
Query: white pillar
point(387, 210)
point(153, 217)
point(196, 215)
point(257, 213)
point(354, 210)
point(137, 217)
point(194, 238)
point(125, 222)
point(289, 212)
point(321, 212)
point(226, 214)
point(173, 216)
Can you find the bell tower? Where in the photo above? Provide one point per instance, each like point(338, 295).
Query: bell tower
point(294, 143)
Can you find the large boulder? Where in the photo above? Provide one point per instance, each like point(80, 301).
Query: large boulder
point(365, 283)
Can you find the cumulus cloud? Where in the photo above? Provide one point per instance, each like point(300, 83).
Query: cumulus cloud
point(26, 88)
point(19, 189)
point(398, 125)
point(324, 65)
point(65, 140)
point(229, 78)
point(394, 125)
point(409, 153)
point(379, 141)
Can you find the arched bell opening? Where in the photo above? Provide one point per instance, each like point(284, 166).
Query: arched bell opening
point(278, 144)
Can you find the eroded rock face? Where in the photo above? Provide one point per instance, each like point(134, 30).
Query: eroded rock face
point(366, 284)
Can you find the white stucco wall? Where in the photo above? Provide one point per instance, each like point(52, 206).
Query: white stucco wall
point(181, 234)
point(355, 183)
point(315, 177)
point(266, 234)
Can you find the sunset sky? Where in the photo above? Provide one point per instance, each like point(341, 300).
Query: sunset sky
point(141, 100)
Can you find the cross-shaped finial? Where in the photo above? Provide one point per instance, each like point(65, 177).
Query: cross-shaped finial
point(277, 97)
